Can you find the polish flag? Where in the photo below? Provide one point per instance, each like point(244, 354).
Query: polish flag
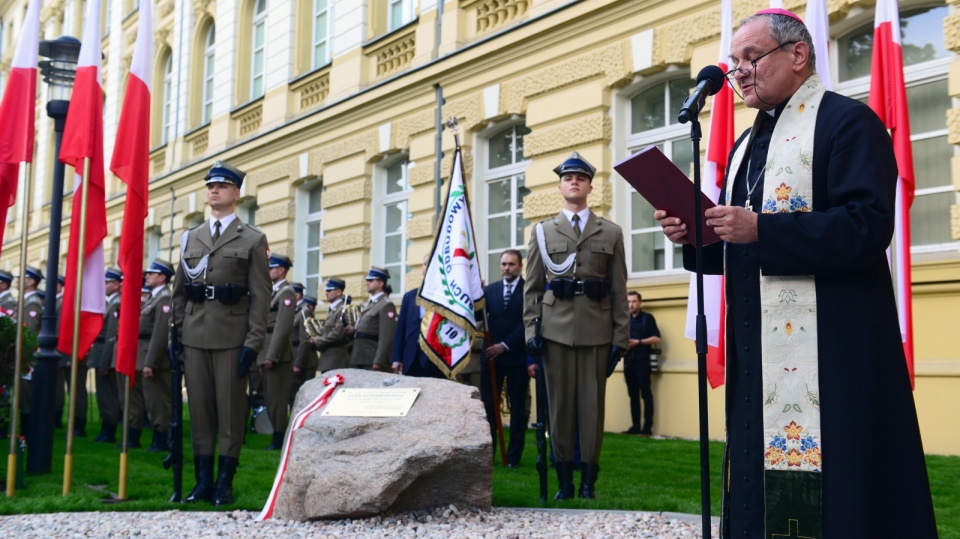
point(888, 98)
point(719, 144)
point(17, 110)
point(818, 24)
point(130, 163)
point(83, 139)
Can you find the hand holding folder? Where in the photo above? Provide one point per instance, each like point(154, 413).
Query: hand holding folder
point(666, 188)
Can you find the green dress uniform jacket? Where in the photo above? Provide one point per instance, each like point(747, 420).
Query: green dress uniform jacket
point(333, 344)
point(101, 355)
point(373, 339)
point(213, 333)
point(32, 311)
point(8, 303)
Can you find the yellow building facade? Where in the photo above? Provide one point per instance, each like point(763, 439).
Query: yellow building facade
point(332, 109)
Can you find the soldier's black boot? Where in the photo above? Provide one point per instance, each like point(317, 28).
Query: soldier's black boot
point(133, 439)
point(203, 471)
point(277, 442)
point(588, 478)
point(565, 478)
point(159, 442)
point(102, 437)
point(58, 418)
point(224, 490)
point(80, 427)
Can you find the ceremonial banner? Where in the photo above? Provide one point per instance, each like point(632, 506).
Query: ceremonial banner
point(83, 139)
point(452, 289)
point(131, 163)
point(719, 143)
point(888, 98)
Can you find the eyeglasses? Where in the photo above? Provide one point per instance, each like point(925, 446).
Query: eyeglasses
point(753, 63)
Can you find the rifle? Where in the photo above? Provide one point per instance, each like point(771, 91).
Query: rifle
point(174, 459)
point(541, 425)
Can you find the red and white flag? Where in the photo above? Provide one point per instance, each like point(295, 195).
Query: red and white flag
point(888, 98)
point(719, 144)
point(131, 161)
point(818, 24)
point(83, 139)
point(17, 110)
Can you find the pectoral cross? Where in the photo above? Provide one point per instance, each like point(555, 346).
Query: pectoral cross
point(748, 205)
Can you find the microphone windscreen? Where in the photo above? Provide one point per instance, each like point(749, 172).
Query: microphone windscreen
point(713, 74)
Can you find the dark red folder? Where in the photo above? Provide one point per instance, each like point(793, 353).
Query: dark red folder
point(667, 188)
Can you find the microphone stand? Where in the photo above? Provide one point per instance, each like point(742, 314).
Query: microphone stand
point(701, 320)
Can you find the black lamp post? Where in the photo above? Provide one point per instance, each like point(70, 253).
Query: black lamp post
point(58, 72)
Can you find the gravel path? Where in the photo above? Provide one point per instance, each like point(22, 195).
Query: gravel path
point(442, 523)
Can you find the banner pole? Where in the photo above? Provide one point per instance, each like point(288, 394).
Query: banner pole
point(77, 298)
point(18, 359)
point(124, 454)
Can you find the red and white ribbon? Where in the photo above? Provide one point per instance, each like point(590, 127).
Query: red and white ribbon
point(297, 422)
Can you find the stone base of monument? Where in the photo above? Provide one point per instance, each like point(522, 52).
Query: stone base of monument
point(439, 454)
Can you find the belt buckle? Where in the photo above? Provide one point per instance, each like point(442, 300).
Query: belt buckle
point(578, 288)
point(209, 292)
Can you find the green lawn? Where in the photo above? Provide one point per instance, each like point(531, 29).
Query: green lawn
point(639, 474)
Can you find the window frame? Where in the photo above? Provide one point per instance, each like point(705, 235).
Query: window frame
point(209, 59)
point(316, 63)
point(381, 202)
point(491, 175)
point(258, 20)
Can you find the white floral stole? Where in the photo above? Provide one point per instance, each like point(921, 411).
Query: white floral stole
point(788, 305)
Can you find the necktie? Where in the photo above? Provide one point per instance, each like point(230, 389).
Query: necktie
point(507, 292)
point(216, 231)
point(576, 225)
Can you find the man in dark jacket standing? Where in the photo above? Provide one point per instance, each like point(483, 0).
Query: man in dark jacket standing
point(507, 353)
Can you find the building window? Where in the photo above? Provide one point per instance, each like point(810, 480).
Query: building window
point(653, 121)
point(321, 33)
point(926, 63)
point(399, 13)
point(167, 113)
point(247, 210)
point(209, 55)
point(258, 48)
point(504, 189)
point(153, 244)
point(390, 228)
point(312, 218)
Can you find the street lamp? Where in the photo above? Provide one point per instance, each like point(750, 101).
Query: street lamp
point(58, 72)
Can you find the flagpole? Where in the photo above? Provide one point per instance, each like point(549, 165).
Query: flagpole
point(124, 452)
point(18, 360)
point(77, 298)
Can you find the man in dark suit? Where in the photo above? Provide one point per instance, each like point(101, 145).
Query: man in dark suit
point(407, 357)
point(507, 352)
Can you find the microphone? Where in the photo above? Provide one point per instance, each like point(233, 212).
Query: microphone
point(709, 82)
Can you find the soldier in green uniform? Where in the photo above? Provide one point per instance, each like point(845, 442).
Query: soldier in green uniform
point(101, 358)
point(276, 359)
point(152, 361)
point(221, 298)
point(373, 334)
point(333, 344)
point(32, 311)
point(305, 360)
point(577, 275)
point(8, 303)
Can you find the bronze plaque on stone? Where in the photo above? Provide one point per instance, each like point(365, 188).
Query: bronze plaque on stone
point(372, 402)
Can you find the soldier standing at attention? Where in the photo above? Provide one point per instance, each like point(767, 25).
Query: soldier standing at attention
point(275, 361)
point(8, 303)
point(152, 358)
point(101, 358)
point(373, 334)
point(333, 344)
point(305, 361)
point(577, 277)
point(221, 298)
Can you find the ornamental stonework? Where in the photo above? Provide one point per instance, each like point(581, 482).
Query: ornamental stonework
point(575, 133)
point(284, 169)
point(346, 193)
point(420, 227)
point(281, 247)
point(405, 128)
point(338, 242)
point(951, 32)
point(468, 111)
point(611, 62)
point(422, 173)
point(366, 143)
point(541, 205)
point(446, 166)
point(280, 211)
point(953, 126)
